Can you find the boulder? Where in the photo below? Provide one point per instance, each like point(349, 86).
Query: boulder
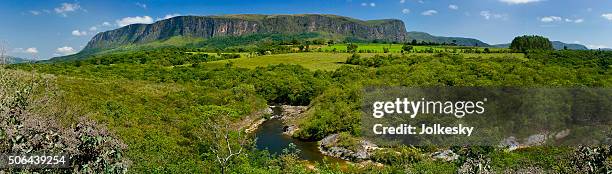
point(510, 143)
point(292, 112)
point(536, 139)
point(446, 155)
point(289, 130)
point(363, 152)
point(562, 134)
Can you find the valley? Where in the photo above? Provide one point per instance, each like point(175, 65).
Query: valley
point(179, 94)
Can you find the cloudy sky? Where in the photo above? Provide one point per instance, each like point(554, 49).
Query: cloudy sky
point(45, 29)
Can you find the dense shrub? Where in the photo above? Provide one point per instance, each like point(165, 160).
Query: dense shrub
point(29, 123)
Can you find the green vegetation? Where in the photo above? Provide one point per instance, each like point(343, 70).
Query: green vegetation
point(164, 57)
point(531, 43)
point(159, 101)
point(399, 48)
point(35, 118)
point(314, 61)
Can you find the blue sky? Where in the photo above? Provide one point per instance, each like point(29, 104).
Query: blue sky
point(45, 29)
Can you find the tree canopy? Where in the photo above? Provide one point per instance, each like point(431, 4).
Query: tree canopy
point(528, 43)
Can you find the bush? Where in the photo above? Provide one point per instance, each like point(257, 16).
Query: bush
point(28, 124)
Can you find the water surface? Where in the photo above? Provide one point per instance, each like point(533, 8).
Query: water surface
point(270, 136)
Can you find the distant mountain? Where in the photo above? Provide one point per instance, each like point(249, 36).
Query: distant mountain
point(15, 60)
point(506, 45)
point(203, 28)
point(422, 36)
point(558, 45)
point(239, 25)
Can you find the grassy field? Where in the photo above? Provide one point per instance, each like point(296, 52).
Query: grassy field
point(396, 48)
point(313, 61)
point(325, 61)
point(217, 54)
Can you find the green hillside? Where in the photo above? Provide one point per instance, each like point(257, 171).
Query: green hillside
point(159, 110)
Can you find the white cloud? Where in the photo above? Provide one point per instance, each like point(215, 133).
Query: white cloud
point(596, 46)
point(31, 50)
point(608, 16)
point(485, 14)
point(78, 33)
point(67, 7)
point(404, 1)
point(168, 16)
point(429, 13)
point(371, 4)
point(95, 28)
point(34, 12)
point(511, 2)
point(489, 15)
point(141, 5)
point(66, 50)
point(551, 19)
point(500, 16)
point(134, 20)
point(453, 7)
point(406, 11)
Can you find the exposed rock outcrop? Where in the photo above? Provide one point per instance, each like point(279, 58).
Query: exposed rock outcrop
point(446, 155)
point(238, 25)
point(254, 120)
point(289, 116)
point(290, 130)
point(361, 152)
point(292, 112)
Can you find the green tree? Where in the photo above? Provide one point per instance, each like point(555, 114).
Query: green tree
point(529, 43)
point(407, 48)
point(351, 48)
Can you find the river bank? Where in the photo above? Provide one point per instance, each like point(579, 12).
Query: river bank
point(274, 134)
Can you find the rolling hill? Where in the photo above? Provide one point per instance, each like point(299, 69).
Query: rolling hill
point(14, 60)
point(422, 36)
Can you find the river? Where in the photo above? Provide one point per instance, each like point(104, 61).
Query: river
point(270, 136)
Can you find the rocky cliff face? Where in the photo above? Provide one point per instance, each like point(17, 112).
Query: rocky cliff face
point(238, 25)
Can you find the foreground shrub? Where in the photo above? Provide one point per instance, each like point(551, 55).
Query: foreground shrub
point(30, 110)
